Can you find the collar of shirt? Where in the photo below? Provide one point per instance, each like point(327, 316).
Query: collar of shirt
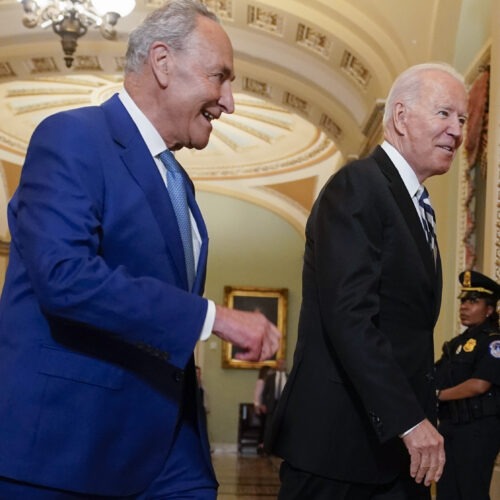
point(152, 138)
point(407, 174)
point(155, 145)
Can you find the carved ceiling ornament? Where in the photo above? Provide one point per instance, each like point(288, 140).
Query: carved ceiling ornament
point(355, 69)
point(260, 138)
point(266, 20)
point(6, 70)
point(223, 8)
point(314, 40)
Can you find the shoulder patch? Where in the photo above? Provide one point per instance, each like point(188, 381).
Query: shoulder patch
point(495, 348)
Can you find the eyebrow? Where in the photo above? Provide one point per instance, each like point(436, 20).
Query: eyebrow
point(229, 74)
point(452, 108)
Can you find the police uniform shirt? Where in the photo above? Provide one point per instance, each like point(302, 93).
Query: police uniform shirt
point(473, 354)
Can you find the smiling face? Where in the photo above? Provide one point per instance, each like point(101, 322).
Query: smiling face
point(199, 86)
point(431, 127)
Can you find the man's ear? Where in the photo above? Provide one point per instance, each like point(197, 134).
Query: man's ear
point(159, 60)
point(400, 117)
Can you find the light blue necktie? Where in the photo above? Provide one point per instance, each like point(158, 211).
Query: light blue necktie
point(177, 192)
point(428, 217)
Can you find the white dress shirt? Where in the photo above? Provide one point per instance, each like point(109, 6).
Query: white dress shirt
point(156, 145)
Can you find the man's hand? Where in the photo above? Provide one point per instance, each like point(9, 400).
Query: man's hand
point(426, 448)
point(251, 332)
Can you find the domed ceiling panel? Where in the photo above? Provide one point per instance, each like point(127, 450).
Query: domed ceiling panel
point(310, 79)
point(261, 143)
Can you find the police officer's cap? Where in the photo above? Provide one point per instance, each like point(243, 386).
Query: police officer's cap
point(477, 285)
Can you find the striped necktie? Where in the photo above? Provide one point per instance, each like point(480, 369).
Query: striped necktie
point(428, 217)
point(177, 192)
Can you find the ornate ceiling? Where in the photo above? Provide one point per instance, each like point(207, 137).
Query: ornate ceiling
point(311, 76)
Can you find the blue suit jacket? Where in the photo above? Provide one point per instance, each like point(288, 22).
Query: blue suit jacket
point(97, 326)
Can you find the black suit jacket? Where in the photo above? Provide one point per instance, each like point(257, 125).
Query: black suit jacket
point(363, 364)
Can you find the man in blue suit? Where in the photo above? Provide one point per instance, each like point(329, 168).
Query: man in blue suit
point(98, 319)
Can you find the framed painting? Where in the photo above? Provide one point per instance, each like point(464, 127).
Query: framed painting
point(272, 303)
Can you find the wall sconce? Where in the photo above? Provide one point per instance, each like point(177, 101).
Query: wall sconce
point(70, 19)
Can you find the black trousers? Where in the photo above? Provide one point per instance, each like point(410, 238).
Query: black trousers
point(301, 485)
point(471, 449)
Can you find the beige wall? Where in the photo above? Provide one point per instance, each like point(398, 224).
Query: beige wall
point(249, 246)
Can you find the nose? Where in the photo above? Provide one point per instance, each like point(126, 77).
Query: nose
point(226, 100)
point(455, 129)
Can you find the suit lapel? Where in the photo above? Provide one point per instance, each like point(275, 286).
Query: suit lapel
point(406, 206)
point(142, 167)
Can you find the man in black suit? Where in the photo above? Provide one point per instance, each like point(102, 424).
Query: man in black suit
point(356, 418)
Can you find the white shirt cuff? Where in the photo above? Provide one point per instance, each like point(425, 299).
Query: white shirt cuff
point(409, 430)
point(208, 325)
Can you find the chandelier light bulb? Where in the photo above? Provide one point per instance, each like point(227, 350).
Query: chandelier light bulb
point(70, 19)
point(121, 7)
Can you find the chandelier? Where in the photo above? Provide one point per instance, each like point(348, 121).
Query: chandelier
point(70, 19)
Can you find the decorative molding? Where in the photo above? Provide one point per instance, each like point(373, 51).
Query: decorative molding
point(300, 105)
point(88, 81)
point(4, 248)
point(42, 65)
point(313, 40)
point(322, 146)
point(153, 4)
point(497, 226)
point(355, 69)
point(86, 63)
point(269, 119)
point(223, 8)
point(262, 89)
point(6, 70)
point(245, 127)
point(37, 106)
point(39, 90)
point(266, 20)
point(226, 139)
point(11, 144)
point(374, 120)
point(462, 229)
point(120, 63)
point(329, 126)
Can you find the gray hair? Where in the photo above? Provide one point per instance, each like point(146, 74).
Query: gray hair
point(407, 85)
point(172, 23)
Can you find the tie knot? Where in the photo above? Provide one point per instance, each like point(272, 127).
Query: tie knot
point(424, 201)
point(168, 159)
point(422, 194)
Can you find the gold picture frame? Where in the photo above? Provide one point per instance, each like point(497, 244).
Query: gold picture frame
point(272, 302)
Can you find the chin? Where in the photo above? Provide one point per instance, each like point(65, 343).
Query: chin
point(441, 169)
point(201, 144)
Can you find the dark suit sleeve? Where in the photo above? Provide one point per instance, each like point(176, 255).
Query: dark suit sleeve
point(351, 251)
point(89, 242)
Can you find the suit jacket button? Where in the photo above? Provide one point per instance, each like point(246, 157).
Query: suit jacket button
point(177, 375)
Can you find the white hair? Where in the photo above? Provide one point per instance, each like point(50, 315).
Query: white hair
point(172, 23)
point(407, 85)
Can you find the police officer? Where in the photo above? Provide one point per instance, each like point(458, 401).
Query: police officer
point(468, 381)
